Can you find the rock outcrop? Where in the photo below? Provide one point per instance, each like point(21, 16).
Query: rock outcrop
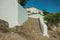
point(30, 30)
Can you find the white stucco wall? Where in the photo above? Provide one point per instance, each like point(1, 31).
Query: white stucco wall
point(22, 15)
point(9, 12)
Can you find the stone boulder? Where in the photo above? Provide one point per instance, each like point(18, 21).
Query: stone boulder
point(4, 26)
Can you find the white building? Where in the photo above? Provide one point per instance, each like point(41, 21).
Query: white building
point(12, 12)
point(33, 10)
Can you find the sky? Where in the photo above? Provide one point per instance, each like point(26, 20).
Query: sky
point(51, 6)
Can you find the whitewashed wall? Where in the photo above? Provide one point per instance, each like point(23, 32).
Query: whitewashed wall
point(12, 13)
point(22, 15)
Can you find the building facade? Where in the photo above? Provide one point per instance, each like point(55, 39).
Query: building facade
point(12, 12)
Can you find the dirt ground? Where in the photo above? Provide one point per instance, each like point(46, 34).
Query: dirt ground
point(30, 30)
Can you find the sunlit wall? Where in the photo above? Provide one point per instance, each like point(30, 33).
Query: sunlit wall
point(12, 13)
